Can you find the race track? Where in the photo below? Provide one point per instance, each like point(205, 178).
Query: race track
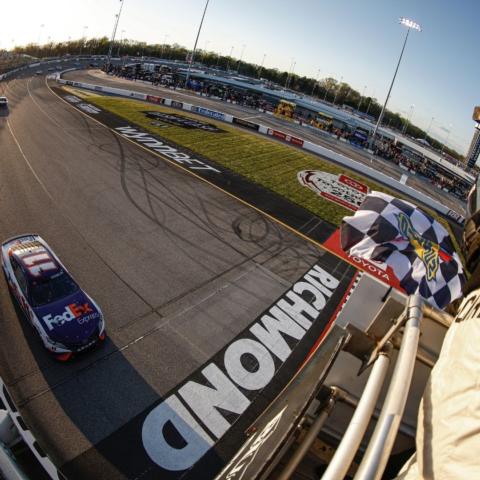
point(97, 77)
point(178, 268)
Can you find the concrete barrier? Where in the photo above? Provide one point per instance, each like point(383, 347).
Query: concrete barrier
point(376, 175)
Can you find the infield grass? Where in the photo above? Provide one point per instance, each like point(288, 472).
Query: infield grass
point(262, 160)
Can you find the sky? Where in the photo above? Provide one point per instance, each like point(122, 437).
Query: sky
point(357, 40)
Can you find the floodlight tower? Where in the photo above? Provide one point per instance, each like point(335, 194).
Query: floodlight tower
point(192, 55)
point(112, 40)
point(411, 25)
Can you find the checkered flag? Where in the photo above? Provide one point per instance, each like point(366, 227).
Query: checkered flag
point(398, 234)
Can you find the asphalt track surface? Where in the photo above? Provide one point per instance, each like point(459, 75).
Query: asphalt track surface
point(99, 78)
point(178, 268)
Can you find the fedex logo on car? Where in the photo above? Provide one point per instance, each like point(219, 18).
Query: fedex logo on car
point(72, 311)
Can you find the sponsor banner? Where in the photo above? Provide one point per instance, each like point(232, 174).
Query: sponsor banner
point(456, 216)
point(176, 104)
point(208, 113)
point(172, 153)
point(181, 121)
point(155, 99)
point(340, 189)
point(286, 137)
point(361, 187)
point(194, 430)
point(246, 124)
point(382, 272)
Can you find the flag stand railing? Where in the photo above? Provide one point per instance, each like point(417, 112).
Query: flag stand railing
point(381, 443)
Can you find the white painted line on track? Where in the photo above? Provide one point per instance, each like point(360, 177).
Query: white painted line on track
point(251, 117)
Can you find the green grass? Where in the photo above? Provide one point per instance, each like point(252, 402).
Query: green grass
point(264, 161)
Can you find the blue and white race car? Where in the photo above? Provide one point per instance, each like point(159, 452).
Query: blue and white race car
point(65, 317)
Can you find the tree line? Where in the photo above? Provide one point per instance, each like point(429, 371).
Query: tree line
point(327, 89)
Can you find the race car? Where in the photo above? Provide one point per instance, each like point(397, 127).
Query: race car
point(3, 102)
point(66, 318)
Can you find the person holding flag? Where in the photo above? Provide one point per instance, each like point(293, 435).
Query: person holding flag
point(418, 249)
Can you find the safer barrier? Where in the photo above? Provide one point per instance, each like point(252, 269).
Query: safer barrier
point(299, 142)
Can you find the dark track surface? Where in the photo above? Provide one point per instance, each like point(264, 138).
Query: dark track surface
point(99, 78)
point(178, 268)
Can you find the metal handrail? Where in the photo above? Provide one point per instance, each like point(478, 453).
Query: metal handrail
point(345, 453)
point(310, 437)
point(438, 316)
point(378, 451)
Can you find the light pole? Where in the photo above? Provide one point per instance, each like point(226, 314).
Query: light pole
point(120, 42)
point(410, 24)
point(229, 57)
point(261, 65)
point(40, 33)
point(205, 50)
point(316, 81)
point(163, 45)
point(409, 119)
point(428, 129)
point(327, 89)
point(241, 58)
point(83, 38)
point(290, 73)
point(338, 89)
point(112, 40)
point(361, 97)
point(449, 131)
point(370, 102)
point(187, 78)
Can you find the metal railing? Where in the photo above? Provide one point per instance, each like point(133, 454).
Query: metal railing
point(340, 463)
point(381, 443)
point(380, 446)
